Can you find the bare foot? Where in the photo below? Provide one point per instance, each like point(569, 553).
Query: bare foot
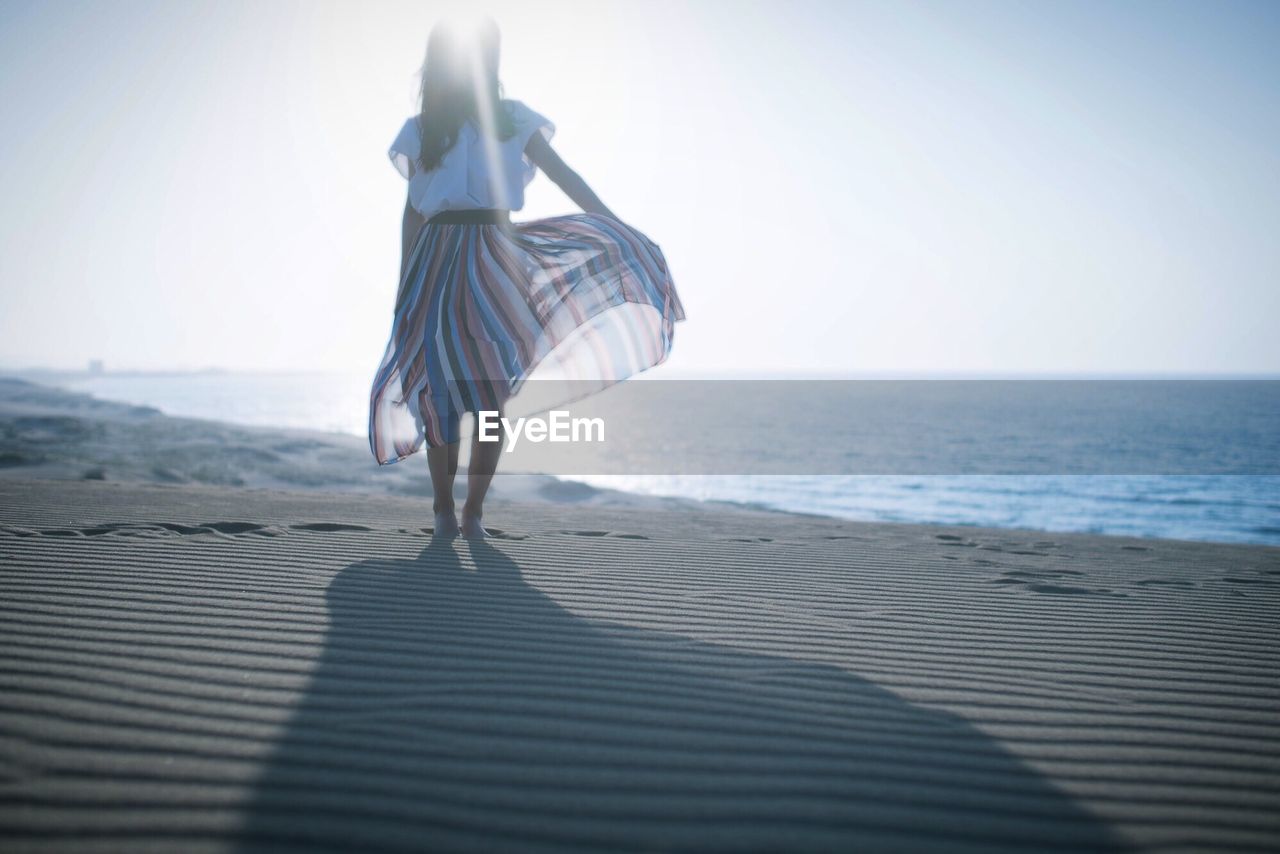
point(446, 525)
point(471, 527)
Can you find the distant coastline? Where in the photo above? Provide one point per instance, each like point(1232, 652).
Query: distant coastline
point(52, 433)
point(225, 428)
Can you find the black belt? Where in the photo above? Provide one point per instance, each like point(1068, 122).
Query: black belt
point(477, 216)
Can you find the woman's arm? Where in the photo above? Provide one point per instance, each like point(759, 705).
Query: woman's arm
point(546, 159)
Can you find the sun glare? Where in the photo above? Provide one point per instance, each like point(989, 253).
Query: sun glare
point(465, 26)
point(466, 32)
point(488, 124)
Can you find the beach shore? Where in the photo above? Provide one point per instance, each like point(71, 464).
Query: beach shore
point(205, 667)
point(51, 433)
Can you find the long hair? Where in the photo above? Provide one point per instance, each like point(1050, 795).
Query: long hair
point(460, 82)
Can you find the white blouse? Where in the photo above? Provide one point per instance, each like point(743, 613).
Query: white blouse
point(464, 179)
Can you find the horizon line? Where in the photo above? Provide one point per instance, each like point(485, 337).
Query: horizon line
point(688, 374)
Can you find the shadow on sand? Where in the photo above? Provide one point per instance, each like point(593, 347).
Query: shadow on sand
point(457, 707)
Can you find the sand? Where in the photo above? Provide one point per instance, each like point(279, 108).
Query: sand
point(192, 667)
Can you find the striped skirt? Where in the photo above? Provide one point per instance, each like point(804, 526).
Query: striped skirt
point(482, 305)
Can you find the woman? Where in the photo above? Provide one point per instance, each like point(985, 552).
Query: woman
point(483, 301)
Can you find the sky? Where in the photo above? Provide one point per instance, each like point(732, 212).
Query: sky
point(838, 187)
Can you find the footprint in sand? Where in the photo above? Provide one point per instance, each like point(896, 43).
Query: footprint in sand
point(240, 528)
point(1062, 589)
point(145, 529)
point(1049, 581)
point(615, 535)
point(1043, 573)
point(174, 527)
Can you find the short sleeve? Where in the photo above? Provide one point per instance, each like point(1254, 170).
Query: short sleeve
point(406, 149)
point(527, 121)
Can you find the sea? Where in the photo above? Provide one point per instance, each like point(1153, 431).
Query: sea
point(1215, 507)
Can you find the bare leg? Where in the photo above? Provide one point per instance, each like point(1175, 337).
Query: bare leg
point(443, 463)
point(484, 462)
